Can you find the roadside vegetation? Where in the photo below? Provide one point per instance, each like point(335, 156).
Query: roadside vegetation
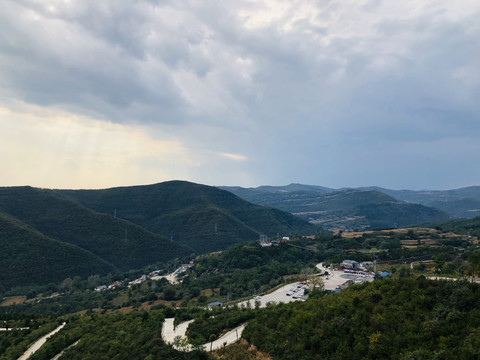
point(406, 314)
point(22, 331)
point(387, 319)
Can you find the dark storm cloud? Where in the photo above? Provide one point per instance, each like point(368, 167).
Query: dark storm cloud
point(305, 91)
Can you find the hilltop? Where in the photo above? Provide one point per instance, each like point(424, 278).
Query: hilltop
point(119, 242)
point(49, 235)
point(202, 217)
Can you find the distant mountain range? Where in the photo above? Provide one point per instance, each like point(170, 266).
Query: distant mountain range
point(48, 235)
point(363, 208)
point(458, 203)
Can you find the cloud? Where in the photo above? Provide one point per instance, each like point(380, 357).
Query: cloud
point(292, 86)
point(236, 157)
point(58, 150)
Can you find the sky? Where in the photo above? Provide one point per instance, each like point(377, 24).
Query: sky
point(97, 94)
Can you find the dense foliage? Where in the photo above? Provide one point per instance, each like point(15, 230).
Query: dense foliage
point(241, 271)
point(210, 326)
point(248, 269)
point(394, 319)
point(31, 258)
point(13, 343)
point(460, 226)
point(113, 336)
point(203, 217)
point(117, 241)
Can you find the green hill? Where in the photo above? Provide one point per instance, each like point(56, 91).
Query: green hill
point(459, 226)
point(463, 202)
point(398, 214)
point(119, 242)
point(388, 319)
point(343, 209)
point(31, 258)
point(203, 217)
point(461, 208)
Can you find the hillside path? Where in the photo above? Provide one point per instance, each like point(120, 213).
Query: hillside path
point(227, 339)
point(169, 332)
point(38, 344)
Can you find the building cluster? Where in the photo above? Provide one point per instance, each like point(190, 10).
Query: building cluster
point(362, 268)
point(112, 286)
point(265, 242)
point(154, 275)
point(354, 265)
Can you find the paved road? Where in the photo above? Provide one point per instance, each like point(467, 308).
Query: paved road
point(169, 333)
point(335, 279)
point(277, 297)
point(229, 338)
point(56, 357)
point(38, 344)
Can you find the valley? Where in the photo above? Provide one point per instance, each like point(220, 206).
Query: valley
point(234, 289)
point(366, 207)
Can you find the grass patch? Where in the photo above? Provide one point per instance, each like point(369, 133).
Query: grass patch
point(13, 300)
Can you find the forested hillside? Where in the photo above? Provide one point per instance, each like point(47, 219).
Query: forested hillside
point(121, 229)
point(341, 209)
point(203, 217)
point(110, 336)
point(463, 202)
point(388, 319)
point(117, 241)
point(28, 257)
point(460, 226)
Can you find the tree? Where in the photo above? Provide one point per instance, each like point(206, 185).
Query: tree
point(317, 282)
point(169, 293)
point(474, 260)
point(65, 285)
point(211, 339)
point(439, 262)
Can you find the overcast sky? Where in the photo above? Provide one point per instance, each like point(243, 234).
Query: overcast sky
point(97, 94)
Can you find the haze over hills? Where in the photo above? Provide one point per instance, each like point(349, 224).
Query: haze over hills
point(463, 202)
point(343, 209)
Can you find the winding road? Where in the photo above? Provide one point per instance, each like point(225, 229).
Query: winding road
point(38, 344)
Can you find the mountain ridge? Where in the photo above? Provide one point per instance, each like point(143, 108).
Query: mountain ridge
point(122, 229)
point(342, 209)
